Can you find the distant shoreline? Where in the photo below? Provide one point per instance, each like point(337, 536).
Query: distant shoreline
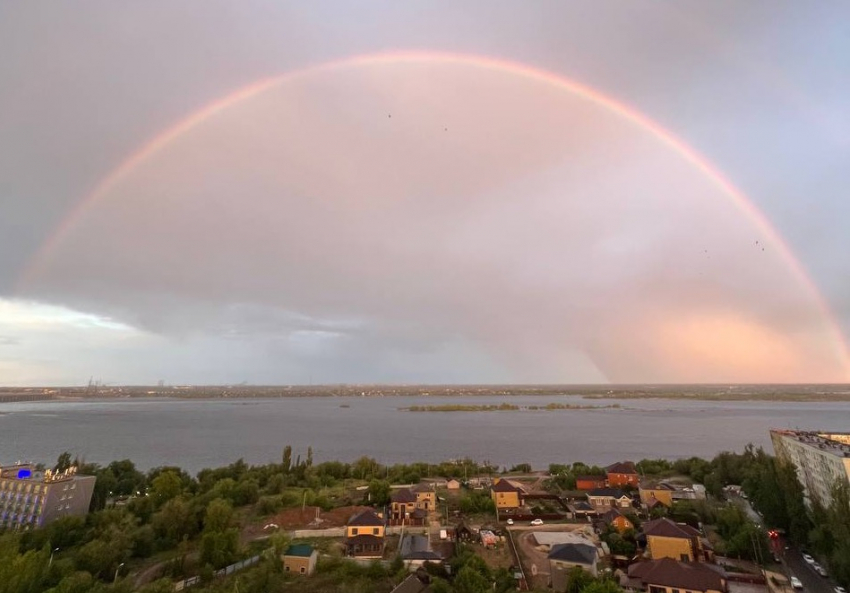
point(755, 393)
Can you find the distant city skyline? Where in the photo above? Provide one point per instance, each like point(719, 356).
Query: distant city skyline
point(641, 193)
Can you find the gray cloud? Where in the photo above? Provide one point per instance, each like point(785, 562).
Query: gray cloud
point(492, 229)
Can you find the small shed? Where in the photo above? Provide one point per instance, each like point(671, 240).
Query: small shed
point(300, 559)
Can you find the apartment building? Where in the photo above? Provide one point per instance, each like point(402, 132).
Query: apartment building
point(31, 498)
point(821, 458)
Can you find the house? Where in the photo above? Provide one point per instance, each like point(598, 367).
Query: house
point(602, 498)
point(669, 576)
point(416, 550)
point(679, 541)
point(548, 540)
point(412, 584)
point(506, 495)
point(591, 482)
point(653, 504)
point(617, 520)
point(582, 508)
point(300, 559)
point(453, 484)
point(662, 492)
point(464, 533)
point(426, 497)
point(405, 510)
point(365, 535)
point(410, 506)
point(623, 473)
point(564, 557)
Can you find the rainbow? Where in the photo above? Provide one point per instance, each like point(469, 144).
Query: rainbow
point(627, 113)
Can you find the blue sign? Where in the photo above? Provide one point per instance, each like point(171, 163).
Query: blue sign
point(24, 473)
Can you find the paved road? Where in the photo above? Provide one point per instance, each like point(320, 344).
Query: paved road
point(812, 581)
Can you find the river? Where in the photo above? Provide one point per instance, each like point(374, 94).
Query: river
point(206, 433)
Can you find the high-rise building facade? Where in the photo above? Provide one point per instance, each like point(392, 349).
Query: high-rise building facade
point(31, 498)
point(821, 459)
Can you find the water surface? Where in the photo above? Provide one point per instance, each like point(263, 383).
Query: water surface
point(205, 433)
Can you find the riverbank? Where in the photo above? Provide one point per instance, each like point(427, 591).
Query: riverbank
point(785, 393)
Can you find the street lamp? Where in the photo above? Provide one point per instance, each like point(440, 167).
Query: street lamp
point(115, 580)
point(49, 562)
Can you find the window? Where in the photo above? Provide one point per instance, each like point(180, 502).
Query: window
point(353, 531)
point(303, 570)
point(286, 568)
point(684, 557)
point(376, 530)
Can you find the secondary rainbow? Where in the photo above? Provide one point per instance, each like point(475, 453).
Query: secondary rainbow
point(628, 114)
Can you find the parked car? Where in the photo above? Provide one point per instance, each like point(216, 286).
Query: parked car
point(840, 589)
point(795, 582)
point(510, 521)
point(537, 522)
point(808, 559)
point(819, 569)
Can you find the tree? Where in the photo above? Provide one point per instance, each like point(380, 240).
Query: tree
point(309, 461)
point(219, 549)
point(469, 580)
point(174, 521)
point(63, 462)
point(218, 517)
point(578, 579)
point(166, 486)
point(128, 480)
point(219, 541)
point(379, 492)
point(287, 459)
point(602, 586)
point(158, 586)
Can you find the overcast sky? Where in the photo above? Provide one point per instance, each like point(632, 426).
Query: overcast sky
point(495, 195)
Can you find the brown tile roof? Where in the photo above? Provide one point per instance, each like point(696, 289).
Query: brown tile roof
point(653, 502)
point(504, 486)
point(403, 495)
point(667, 572)
point(367, 518)
point(612, 515)
point(622, 467)
point(411, 584)
point(667, 528)
point(591, 478)
point(611, 492)
point(422, 488)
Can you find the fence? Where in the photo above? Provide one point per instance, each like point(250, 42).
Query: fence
point(227, 570)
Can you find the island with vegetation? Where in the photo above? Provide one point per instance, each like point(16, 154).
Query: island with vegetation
point(506, 407)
